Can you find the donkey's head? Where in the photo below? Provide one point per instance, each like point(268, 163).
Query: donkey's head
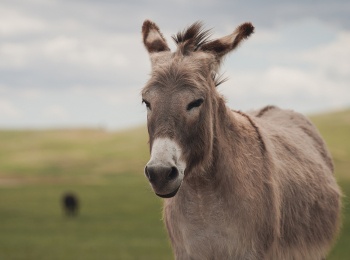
point(182, 102)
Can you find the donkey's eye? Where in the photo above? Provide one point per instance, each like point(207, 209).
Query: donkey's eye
point(194, 104)
point(148, 105)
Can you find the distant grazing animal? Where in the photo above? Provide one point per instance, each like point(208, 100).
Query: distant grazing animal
point(255, 185)
point(70, 204)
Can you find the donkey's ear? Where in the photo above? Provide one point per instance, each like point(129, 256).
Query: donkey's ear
point(224, 45)
point(153, 38)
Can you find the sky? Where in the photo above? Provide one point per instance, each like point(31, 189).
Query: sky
point(83, 64)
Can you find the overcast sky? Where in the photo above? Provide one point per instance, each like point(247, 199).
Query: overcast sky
point(82, 63)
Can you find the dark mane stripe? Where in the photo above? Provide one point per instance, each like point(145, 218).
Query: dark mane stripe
point(264, 110)
point(256, 128)
point(191, 38)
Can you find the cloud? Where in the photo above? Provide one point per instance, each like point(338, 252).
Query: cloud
point(310, 78)
point(14, 22)
point(103, 106)
point(332, 58)
point(288, 82)
point(14, 55)
point(110, 95)
point(8, 110)
point(56, 112)
point(97, 53)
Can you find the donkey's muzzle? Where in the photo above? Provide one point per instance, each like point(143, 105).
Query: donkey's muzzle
point(164, 179)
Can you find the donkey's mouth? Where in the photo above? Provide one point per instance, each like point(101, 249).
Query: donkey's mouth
point(169, 195)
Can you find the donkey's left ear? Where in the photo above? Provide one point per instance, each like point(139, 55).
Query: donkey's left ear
point(153, 38)
point(224, 45)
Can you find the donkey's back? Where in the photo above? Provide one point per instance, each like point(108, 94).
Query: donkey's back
point(292, 129)
point(307, 191)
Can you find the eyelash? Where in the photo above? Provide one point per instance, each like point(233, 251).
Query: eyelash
point(190, 106)
point(195, 103)
point(148, 105)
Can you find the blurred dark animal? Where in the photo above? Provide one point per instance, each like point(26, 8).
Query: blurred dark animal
point(70, 204)
point(257, 185)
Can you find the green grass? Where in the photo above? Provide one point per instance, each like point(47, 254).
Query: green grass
point(73, 154)
point(120, 217)
point(120, 220)
point(335, 128)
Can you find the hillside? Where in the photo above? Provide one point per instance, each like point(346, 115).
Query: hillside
point(335, 129)
point(78, 155)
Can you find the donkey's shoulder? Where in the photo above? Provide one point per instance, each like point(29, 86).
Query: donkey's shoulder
point(281, 117)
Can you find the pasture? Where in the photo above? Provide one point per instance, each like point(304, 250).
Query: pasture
point(120, 217)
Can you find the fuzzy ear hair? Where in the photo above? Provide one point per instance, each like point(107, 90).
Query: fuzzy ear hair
point(224, 45)
point(153, 38)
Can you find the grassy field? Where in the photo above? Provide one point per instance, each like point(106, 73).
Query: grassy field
point(120, 217)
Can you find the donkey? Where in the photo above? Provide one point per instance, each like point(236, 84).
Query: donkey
point(70, 204)
point(255, 185)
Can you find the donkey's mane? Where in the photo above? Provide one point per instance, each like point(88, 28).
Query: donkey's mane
point(191, 38)
point(219, 79)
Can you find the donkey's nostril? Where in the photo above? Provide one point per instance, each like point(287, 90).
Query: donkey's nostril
point(148, 174)
point(173, 173)
point(160, 175)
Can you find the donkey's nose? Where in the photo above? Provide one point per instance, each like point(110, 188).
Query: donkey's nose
point(158, 174)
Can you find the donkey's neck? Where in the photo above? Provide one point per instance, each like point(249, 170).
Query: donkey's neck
point(237, 141)
point(230, 186)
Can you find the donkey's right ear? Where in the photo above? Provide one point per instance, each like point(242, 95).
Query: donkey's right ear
point(153, 38)
point(224, 45)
